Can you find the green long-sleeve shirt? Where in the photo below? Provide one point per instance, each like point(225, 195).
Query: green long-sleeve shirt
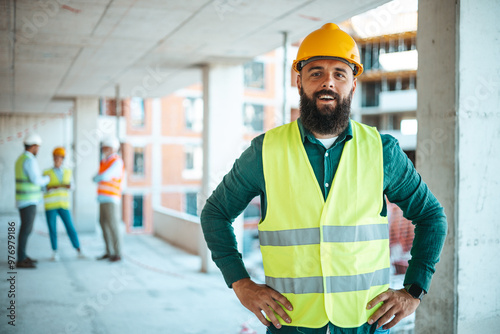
point(402, 186)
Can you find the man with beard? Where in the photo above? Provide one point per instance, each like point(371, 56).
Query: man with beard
point(324, 234)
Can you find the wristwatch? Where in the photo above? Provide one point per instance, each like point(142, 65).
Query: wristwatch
point(415, 291)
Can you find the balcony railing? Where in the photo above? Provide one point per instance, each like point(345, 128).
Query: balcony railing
point(398, 100)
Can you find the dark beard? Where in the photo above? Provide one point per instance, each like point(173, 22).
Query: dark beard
point(328, 120)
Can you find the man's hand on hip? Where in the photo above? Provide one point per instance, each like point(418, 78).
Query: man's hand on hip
point(397, 303)
point(260, 297)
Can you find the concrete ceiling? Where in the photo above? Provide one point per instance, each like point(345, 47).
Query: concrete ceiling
point(54, 50)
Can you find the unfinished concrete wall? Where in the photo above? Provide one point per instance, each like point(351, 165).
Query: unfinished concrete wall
point(178, 228)
point(86, 141)
point(436, 111)
point(478, 159)
point(458, 154)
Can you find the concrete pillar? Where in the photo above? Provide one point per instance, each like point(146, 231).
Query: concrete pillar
point(85, 164)
point(458, 154)
point(222, 133)
point(156, 156)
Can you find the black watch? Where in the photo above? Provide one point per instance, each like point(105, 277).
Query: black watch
point(415, 291)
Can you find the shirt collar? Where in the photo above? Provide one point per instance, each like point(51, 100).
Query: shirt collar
point(29, 154)
point(304, 133)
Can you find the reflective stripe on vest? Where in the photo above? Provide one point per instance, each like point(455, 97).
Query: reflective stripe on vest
point(329, 258)
point(110, 188)
point(25, 189)
point(302, 285)
point(57, 198)
point(308, 236)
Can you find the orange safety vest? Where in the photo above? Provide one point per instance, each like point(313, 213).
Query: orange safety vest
point(110, 188)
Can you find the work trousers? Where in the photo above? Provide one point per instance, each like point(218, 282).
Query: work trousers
point(108, 218)
point(65, 215)
point(27, 219)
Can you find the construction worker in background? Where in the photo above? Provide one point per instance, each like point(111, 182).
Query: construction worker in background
point(324, 235)
point(56, 200)
point(109, 193)
point(29, 181)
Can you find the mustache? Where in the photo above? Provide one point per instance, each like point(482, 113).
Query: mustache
point(326, 92)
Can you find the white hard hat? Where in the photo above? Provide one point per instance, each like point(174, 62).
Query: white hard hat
point(112, 142)
point(32, 139)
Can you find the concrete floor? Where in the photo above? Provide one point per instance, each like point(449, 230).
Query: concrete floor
point(155, 289)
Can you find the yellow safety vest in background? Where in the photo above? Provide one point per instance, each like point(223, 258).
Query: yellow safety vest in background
point(57, 198)
point(329, 258)
point(25, 189)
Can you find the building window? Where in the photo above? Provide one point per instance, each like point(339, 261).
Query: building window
point(381, 55)
point(191, 204)
point(253, 117)
point(107, 107)
point(193, 163)
point(366, 55)
point(137, 112)
point(371, 92)
point(254, 74)
point(392, 47)
point(102, 106)
point(189, 157)
point(413, 82)
point(138, 161)
point(193, 113)
point(137, 203)
point(399, 83)
point(413, 43)
point(375, 54)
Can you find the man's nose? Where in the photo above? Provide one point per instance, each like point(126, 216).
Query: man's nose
point(329, 82)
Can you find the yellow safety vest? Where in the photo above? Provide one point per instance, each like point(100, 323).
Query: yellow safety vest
point(57, 198)
point(25, 189)
point(329, 258)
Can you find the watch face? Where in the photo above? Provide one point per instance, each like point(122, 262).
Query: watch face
point(416, 291)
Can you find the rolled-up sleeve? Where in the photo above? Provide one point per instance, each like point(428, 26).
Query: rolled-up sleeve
point(33, 172)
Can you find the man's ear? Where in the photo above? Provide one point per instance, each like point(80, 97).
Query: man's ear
point(299, 82)
point(354, 84)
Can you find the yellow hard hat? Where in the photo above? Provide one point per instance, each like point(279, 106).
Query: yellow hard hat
point(59, 151)
point(329, 42)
